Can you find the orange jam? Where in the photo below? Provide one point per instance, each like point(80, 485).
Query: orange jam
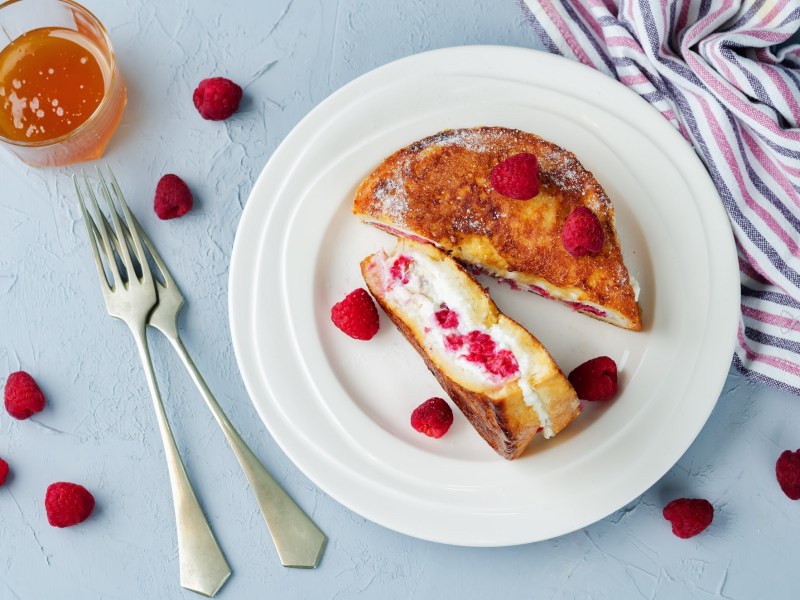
point(51, 81)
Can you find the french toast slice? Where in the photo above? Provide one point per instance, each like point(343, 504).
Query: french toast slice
point(438, 190)
point(497, 373)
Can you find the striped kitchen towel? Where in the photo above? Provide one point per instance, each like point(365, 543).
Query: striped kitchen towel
point(711, 67)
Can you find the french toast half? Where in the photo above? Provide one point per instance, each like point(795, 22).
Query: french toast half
point(497, 373)
point(438, 190)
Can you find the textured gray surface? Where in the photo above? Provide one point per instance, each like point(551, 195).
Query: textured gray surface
point(99, 430)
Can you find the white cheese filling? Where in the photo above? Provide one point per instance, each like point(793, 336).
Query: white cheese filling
point(526, 370)
point(635, 286)
point(427, 288)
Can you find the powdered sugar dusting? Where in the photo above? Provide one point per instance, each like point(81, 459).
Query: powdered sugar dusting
point(391, 194)
point(468, 222)
point(476, 140)
point(565, 172)
point(392, 198)
point(593, 203)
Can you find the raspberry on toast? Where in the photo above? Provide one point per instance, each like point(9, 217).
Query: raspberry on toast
point(439, 190)
point(496, 372)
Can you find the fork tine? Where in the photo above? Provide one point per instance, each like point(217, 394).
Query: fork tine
point(162, 268)
point(150, 246)
point(139, 232)
point(114, 239)
point(105, 234)
point(119, 230)
point(91, 230)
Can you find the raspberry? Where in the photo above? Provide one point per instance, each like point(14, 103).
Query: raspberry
point(446, 318)
point(787, 470)
point(67, 504)
point(596, 379)
point(582, 233)
point(399, 269)
point(433, 417)
point(356, 315)
point(481, 349)
point(517, 176)
point(23, 396)
point(689, 516)
point(587, 308)
point(173, 198)
point(217, 98)
point(539, 290)
point(453, 342)
point(502, 363)
point(3, 471)
point(481, 346)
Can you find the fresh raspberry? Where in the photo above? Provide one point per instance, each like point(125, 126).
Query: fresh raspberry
point(356, 315)
point(23, 396)
point(689, 516)
point(596, 379)
point(67, 504)
point(399, 269)
point(173, 198)
point(217, 98)
point(3, 471)
point(787, 470)
point(582, 233)
point(446, 318)
point(517, 176)
point(433, 417)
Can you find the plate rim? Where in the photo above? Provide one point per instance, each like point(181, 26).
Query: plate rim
point(240, 247)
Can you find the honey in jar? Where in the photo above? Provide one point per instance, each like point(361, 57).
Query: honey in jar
point(52, 80)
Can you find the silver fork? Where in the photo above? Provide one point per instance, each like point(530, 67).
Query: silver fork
point(299, 542)
point(131, 298)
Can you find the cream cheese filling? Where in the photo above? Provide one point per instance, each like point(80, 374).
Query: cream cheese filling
point(427, 289)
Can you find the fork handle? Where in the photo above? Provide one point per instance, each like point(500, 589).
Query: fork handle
point(297, 539)
point(203, 568)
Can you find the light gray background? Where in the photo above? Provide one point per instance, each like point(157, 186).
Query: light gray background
point(98, 428)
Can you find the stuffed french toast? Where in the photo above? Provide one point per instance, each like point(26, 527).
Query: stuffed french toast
point(496, 372)
point(440, 190)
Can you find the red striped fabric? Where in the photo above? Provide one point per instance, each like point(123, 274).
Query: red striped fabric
point(712, 68)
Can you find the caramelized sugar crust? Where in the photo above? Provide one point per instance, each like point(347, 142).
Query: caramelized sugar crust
point(439, 189)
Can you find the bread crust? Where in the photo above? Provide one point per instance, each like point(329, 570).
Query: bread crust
point(501, 416)
point(439, 189)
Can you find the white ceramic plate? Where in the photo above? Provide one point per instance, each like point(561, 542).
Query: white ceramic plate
point(340, 408)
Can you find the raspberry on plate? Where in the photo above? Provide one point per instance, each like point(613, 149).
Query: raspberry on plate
point(3, 471)
point(356, 315)
point(173, 198)
point(217, 98)
point(689, 516)
point(582, 233)
point(67, 504)
point(596, 379)
point(787, 471)
point(23, 397)
point(517, 176)
point(433, 417)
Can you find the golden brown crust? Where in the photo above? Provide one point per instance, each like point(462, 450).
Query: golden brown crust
point(501, 416)
point(439, 189)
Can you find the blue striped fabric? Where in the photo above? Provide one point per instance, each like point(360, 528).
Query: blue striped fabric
point(720, 72)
